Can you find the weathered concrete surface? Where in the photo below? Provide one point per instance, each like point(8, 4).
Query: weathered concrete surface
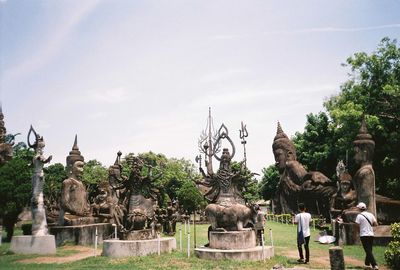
point(349, 234)
point(29, 244)
point(232, 240)
point(336, 258)
point(81, 234)
point(251, 254)
point(126, 248)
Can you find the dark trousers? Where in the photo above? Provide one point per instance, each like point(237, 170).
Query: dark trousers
point(367, 242)
point(300, 248)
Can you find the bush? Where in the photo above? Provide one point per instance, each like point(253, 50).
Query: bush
point(392, 254)
point(26, 228)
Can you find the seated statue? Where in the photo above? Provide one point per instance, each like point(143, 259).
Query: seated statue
point(74, 205)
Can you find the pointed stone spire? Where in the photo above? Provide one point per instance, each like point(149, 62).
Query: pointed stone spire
point(118, 159)
point(74, 154)
point(363, 136)
point(281, 140)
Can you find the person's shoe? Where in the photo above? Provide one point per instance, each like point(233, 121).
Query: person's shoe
point(300, 260)
point(375, 267)
point(306, 261)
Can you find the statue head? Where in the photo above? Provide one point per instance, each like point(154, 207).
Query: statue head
point(283, 149)
point(137, 165)
point(77, 170)
point(73, 157)
point(225, 160)
point(363, 146)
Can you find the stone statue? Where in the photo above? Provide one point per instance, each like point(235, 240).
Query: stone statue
point(346, 196)
point(227, 209)
point(138, 217)
point(364, 179)
point(6, 149)
point(295, 184)
point(39, 223)
point(170, 219)
point(74, 197)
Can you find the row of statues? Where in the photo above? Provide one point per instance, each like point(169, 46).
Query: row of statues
point(321, 194)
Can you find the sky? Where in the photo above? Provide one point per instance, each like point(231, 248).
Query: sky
point(139, 76)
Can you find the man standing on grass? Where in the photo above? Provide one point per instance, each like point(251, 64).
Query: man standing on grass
point(366, 220)
point(303, 232)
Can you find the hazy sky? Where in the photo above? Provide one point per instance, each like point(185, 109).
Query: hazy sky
point(140, 75)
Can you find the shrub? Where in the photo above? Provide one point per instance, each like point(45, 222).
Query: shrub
point(392, 254)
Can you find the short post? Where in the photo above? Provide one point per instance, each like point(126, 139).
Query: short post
point(95, 242)
point(188, 244)
point(1, 234)
point(336, 258)
point(194, 229)
point(158, 244)
point(314, 223)
point(115, 231)
point(185, 225)
point(270, 235)
point(262, 245)
point(180, 238)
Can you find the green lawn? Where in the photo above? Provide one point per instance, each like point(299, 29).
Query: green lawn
point(283, 237)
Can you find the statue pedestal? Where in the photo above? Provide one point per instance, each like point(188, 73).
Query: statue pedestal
point(234, 245)
point(135, 248)
point(145, 234)
point(81, 234)
point(349, 234)
point(29, 244)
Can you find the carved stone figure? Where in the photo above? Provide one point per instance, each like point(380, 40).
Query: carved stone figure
point(6, 150)
point(74, 197)
point(227, 209)
point(170, 219)
point(346, 196)
point(296, 183)
point(364, 179)
point(39, 223)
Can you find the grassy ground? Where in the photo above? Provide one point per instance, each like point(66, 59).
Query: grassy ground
point(283, 238)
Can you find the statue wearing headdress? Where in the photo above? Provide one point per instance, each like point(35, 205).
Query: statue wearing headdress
point(291, 171)
point(364, 179)
point(313, 187)
point(346, 196)
point(39, 223)
point(74, 198)
point(6, 150)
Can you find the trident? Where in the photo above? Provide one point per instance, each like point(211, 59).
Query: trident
point(243, 134)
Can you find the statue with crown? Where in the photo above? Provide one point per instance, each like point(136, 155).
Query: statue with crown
point(40, 242)
point(232, 232)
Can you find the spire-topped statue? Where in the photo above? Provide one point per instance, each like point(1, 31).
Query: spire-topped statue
point(74, 198)
point(364, 179)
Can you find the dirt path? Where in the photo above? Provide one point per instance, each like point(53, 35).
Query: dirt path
point(82, 253)
point(321, 259)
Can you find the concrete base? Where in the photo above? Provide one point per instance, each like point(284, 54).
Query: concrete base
point(251, 254)
point(126, 248)
point(81, 234)
point(29, 244)
point(232, 239)
point(349, 234)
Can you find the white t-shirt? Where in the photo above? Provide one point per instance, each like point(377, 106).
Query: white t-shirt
point(305, 219)
point(365, 227)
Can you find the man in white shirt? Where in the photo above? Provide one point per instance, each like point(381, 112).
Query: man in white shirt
point(366, 220)
point(303, 227)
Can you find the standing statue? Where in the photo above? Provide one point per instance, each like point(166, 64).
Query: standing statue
point(346, 197)
point(296, 184)
point(74, 205)
point(39, 223)
point(364, 179)
point(6, 149)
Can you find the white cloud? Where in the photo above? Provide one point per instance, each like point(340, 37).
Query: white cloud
point(115, 95)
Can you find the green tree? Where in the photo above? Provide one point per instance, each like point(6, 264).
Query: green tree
point(190, 198)
point(15, 187)
point(55, 174)
point(248, 182)
point(373, 90)
point(269, 182)
point(93, 174)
